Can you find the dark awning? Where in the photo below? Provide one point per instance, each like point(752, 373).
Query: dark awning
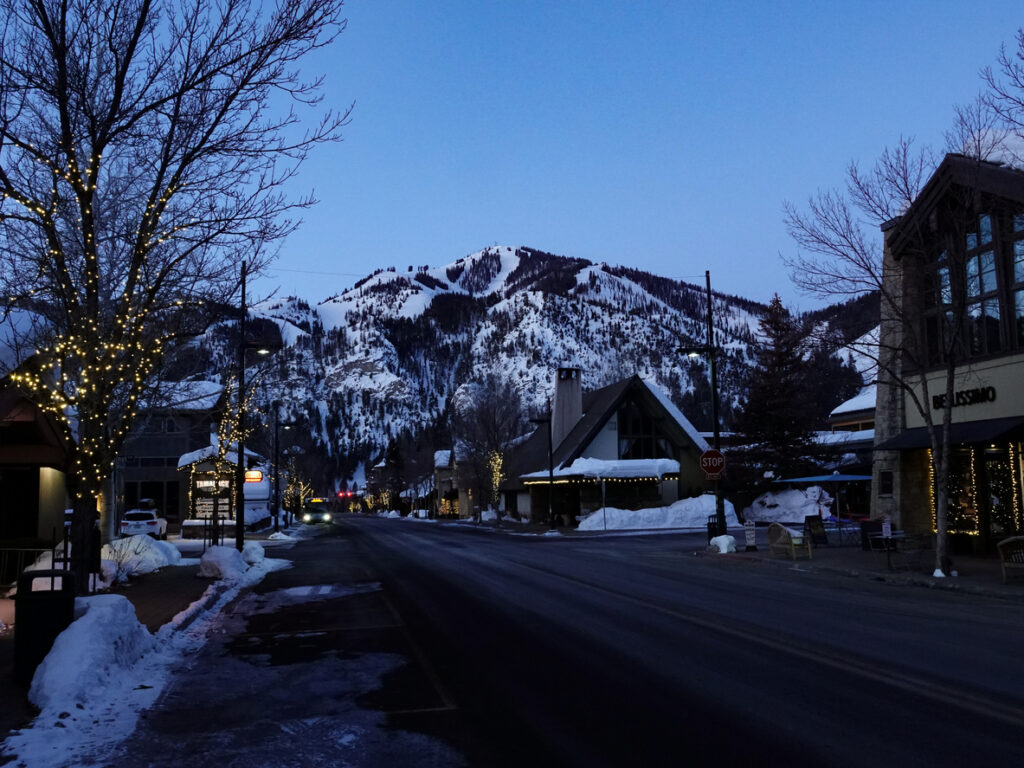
point(984, 431)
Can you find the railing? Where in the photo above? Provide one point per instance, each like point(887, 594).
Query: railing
point(14, 560)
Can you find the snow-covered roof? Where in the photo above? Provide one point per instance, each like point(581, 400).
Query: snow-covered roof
point(843, 436)
point(442, 459)
point(863, 401)
point(211, 452)
point(198, 395)
point(620, 469)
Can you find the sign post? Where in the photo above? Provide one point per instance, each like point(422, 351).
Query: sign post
point(750, 534)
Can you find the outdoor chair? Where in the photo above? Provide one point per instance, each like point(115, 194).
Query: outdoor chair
point(1011, 556)
point(787, 542)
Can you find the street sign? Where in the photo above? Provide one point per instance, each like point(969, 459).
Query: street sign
point(712, 461)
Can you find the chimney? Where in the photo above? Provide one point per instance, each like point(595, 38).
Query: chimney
point(568, 404)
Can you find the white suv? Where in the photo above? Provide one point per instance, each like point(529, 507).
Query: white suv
point(143, 521)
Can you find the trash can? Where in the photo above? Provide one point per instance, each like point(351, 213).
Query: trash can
point(39, 617)
point(712, 527)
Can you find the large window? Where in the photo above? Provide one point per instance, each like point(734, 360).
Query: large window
point(1017, 245)
point(984, 336)
point(938, 301)
point(639, 436)
point(973, 289)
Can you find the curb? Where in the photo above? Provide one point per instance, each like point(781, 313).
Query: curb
point(199, 607)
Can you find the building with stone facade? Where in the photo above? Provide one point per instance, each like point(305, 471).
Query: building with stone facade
point(954, 271)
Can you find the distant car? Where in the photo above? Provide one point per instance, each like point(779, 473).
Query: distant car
point(144, 521)
point(317, 511)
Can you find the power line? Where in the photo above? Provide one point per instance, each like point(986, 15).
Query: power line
point(317, 272)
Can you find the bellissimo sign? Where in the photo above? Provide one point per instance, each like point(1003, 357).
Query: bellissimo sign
point(967, 397)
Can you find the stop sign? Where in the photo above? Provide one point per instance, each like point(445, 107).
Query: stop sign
point(712, 461)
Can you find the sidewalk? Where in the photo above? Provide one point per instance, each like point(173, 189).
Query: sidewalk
point(975, 575)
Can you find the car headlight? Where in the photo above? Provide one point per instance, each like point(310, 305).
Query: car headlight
point(327, 517)
point(307, 518)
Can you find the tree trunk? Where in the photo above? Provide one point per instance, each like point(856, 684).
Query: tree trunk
point(83, 542)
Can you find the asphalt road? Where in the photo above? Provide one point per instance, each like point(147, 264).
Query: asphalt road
point(397, 643)
point(634, 651)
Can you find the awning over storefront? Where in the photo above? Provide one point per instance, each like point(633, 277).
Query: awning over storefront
point(965, 432)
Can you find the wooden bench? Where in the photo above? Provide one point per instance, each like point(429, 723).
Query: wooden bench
point(787, 542)
point(1011, 555)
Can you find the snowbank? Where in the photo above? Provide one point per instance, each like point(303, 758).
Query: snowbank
point(222, 563)
point(789, 506)
point(685, 513)
point(722, 544)
point(252, 553)
point(106, 668)
point(105, 639)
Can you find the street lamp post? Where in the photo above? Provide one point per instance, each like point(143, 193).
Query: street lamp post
point(709, 351)
point(277, 467)
point(240, 467)
point(244, 344)
point(278, 426)
point(551, 470)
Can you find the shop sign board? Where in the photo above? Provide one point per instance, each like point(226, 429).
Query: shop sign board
point(212, 492)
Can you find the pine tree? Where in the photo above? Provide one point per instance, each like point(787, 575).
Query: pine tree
point(776, 420)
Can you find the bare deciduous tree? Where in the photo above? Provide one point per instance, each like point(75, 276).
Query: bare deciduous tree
point(142, 157)
point(842, 254)
point(487, 419)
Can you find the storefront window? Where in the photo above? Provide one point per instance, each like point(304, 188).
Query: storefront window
point(984, 493)
point(962, 515)
point(1000, 485)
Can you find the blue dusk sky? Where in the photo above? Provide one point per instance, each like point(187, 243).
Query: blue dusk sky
point(660, 135)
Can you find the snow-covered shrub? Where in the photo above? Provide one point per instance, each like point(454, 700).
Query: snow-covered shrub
point(137, 555)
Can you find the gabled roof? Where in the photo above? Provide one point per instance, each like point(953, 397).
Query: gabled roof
point(981, 176)
point(29, 435)
point(185, 396)
point(211, 451)
point(863, 402)
point(598, 407)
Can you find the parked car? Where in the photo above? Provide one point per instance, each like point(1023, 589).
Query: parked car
point(144, 521)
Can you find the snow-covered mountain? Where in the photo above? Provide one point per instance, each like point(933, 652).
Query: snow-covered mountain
point(388, 354)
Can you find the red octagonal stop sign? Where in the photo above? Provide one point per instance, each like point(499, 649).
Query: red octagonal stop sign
point(712, 461)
